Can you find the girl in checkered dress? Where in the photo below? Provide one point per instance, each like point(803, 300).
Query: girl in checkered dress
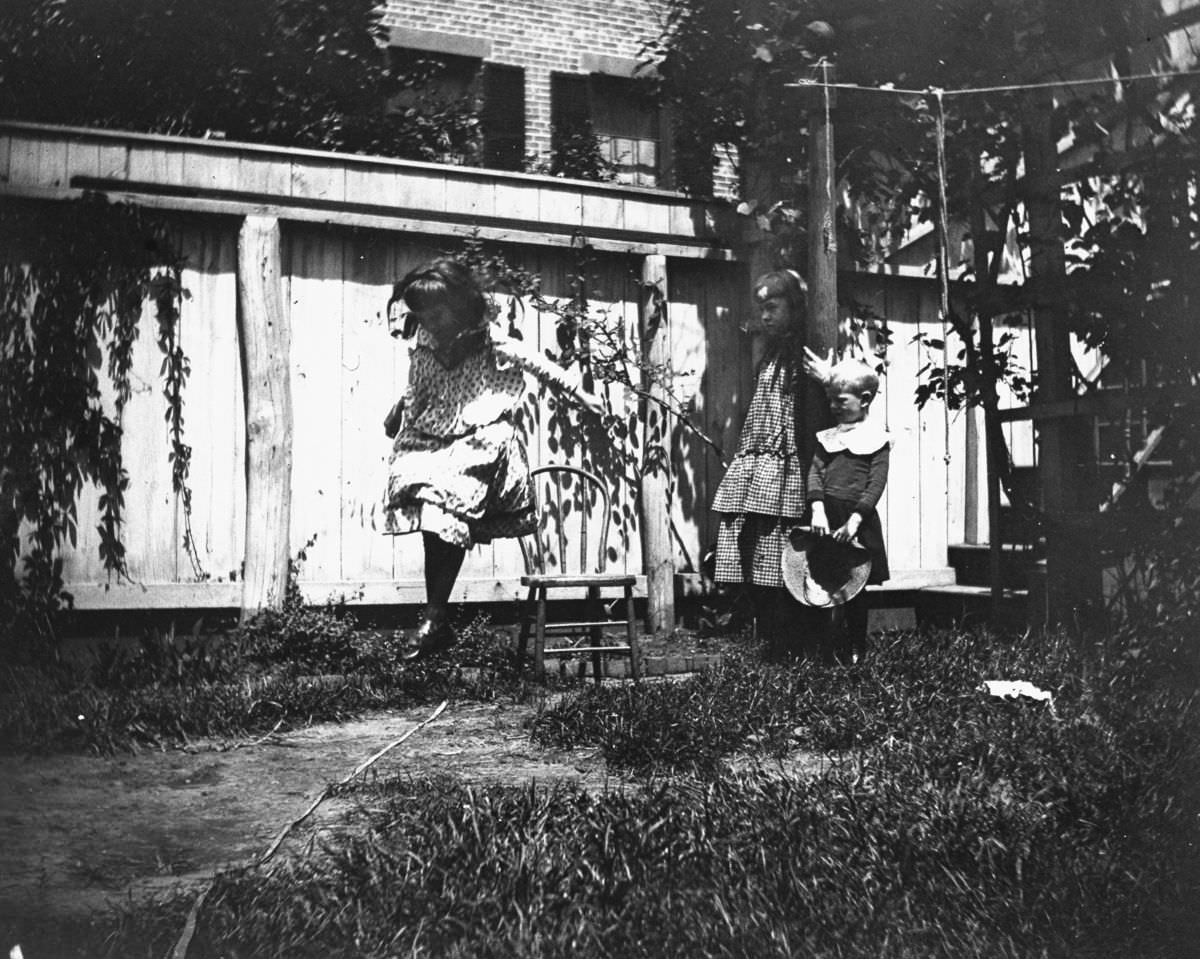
point(761, 497)
point(458, 473)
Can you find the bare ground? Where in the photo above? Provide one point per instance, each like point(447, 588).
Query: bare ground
point(80, 835)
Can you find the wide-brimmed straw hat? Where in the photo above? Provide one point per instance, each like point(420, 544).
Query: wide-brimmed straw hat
point(820, 571)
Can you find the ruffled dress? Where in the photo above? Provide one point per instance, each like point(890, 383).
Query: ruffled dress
point(458, 467)
point(761, 496)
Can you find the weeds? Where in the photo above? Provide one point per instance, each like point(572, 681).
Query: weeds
point(888, 862)
point(297, 665)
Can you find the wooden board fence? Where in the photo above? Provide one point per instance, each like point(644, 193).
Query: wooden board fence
point(350, 226)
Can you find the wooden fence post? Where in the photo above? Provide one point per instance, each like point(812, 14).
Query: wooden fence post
point(265, 337)
point(657, 553)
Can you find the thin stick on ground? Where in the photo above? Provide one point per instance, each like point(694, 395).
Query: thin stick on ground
point(189, 926)
point(362, 767)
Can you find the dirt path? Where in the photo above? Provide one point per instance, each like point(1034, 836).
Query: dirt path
point(79, 834)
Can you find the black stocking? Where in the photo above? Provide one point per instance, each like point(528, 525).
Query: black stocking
point(442, 564)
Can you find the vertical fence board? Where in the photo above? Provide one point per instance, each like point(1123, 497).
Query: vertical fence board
point(23, 160)
point(686, 347)
point(933, 500)
point(162, 164)
point(214, 410)
point(312, 179)
point(113, 162)
point(260, 175)
point(153, 533)
point(709, 303)
point(314, 270)
point(902, 496)
point(366, 397)
point(83, 159)
point(209, 170)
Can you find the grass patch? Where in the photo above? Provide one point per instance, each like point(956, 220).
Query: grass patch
point(892, 864)
point(287, 668)
point(959, 824)
point(914, 687)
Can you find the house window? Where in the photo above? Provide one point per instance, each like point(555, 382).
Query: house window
point(605, 127)
point(444, 78)
point(502, 117)
point(490, 94)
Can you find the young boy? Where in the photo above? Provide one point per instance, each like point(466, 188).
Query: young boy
point(845, 481)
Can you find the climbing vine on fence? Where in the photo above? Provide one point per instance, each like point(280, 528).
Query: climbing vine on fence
point(74, 281)
point(629, 443)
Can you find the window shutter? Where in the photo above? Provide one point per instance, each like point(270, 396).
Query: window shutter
point(569, 107)
point(503, 117)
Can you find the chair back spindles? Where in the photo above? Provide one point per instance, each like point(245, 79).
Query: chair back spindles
point(572, 503)
point(567, 497)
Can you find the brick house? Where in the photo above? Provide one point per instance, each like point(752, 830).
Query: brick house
point(537, 70)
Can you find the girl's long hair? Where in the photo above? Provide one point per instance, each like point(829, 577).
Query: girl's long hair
point(789, 348)
point(440, 281)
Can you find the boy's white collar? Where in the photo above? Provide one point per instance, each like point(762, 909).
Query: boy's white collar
point(864, 437)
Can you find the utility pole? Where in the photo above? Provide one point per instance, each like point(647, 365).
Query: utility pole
point(822, 329)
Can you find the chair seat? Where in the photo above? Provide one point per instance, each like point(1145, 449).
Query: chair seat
point(560, 650)
point(591, 579)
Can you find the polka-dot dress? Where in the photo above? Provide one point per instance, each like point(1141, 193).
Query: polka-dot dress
point(458, 467)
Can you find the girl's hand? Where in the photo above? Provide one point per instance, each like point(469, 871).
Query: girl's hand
point(847, 532)
point(817, 367)
point(391, 422)
point(819, 524)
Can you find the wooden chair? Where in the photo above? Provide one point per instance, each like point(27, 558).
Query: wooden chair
point(569, 550)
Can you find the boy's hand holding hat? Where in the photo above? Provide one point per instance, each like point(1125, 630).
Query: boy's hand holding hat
point(820, 571)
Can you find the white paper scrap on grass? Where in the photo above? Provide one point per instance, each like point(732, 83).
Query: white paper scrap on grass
point(1014, 688)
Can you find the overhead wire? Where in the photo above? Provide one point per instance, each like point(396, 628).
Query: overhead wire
point(1003, 88)
point(939, 94)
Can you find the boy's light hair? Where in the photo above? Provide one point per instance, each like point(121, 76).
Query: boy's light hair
point(853, 376)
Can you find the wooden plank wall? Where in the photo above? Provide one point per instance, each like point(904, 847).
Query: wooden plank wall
point(214, 424)
point(923, 508)
point(346, 372)
point(713, 380)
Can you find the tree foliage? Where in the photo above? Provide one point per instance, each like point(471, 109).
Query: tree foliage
point(1129, 226)
point(306, 73)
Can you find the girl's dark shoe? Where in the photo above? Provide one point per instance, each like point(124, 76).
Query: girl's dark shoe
point(432, 633)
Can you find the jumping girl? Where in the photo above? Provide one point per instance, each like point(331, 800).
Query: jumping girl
point(458, 472)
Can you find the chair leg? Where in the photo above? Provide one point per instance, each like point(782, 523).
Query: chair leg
point(539, 636)
point(631, 636)
point(595, 608)
point(526, 612)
